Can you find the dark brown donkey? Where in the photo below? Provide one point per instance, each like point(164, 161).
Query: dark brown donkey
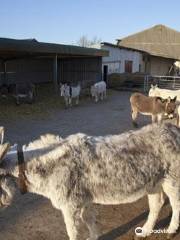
point(155, 107)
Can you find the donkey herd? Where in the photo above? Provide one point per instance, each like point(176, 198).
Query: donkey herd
point(97, 90)
point(77, 171)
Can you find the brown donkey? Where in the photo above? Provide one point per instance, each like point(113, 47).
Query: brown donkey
point(155, 107)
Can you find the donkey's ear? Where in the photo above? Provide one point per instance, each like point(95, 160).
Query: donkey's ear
point(175, 98)
point(154, 86)
point(3, 150)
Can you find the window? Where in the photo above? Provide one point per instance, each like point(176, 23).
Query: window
point(128, 66)
point(114, 67)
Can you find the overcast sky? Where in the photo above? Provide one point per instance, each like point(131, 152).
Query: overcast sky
point(64, 21)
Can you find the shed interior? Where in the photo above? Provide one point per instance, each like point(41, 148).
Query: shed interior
point(30, 60)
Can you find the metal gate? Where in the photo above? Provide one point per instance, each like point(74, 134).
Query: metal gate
point(167, 82)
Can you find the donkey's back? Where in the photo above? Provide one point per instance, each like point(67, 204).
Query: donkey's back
point(143, 103)
point(122, 169)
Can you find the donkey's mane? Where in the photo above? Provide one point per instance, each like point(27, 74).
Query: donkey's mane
point(44, 141)
point(43, 150)
point(161, 99)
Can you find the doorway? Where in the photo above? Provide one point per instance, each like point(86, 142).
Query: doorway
point(105, 73)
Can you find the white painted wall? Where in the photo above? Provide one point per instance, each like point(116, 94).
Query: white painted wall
point(117, 57)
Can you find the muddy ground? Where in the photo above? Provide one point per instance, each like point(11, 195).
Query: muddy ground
point(32, 217)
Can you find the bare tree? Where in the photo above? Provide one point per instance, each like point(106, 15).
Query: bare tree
point(95, 41)
point(85, 42)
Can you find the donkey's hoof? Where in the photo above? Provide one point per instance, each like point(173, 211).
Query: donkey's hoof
point(170, 235)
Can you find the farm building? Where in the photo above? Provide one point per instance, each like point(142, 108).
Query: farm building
point(160, 46)
point(39, 62)
point(151, 52)
point(121, 59)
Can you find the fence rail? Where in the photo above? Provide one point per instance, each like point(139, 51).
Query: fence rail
point(168, 82)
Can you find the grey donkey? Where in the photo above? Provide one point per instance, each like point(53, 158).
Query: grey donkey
point(80, 170)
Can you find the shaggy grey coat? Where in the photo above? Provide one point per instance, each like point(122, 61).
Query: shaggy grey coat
point(80, 170)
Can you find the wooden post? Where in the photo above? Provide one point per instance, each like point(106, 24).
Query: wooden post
point(4, 75)
point(55, 66)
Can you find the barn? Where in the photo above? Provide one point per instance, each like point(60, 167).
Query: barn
point(160, 46)
point(152, 52)
point(39, 62)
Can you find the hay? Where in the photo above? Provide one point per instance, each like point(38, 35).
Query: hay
point(126, 80)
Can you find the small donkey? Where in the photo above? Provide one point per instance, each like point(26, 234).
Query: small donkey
point(156, 107)
point(69, 93)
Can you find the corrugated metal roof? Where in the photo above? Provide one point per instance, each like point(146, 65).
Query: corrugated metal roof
point(9, 46)
point(157, 41)
point(119, 47)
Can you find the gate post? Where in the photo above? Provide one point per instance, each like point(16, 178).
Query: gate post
point(55, 66)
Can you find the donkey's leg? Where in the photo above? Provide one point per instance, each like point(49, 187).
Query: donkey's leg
point(154, 118)
point(72, 219)
point(66, 101)
point(174, 197)
point(77, 100)
point(159, 118)
point(134, 117)
point(17, 100)
point(156, 201)
point(89, 218)
point(70, 101)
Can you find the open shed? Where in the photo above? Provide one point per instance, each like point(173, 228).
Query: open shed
point(39, 62)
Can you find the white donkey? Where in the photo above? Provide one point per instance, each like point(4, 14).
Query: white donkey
point(80, 170)
point(155, 91)
point(98, 90)
point(70, 92)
